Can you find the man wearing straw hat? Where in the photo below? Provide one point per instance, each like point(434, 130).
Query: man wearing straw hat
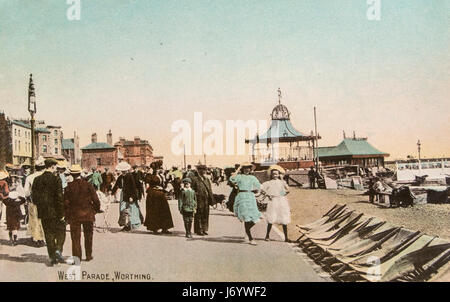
point(34, 227)
point(47, 195)
point(81, 203)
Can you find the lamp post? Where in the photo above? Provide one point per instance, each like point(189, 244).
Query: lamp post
point(418, 149)
point(32, 111)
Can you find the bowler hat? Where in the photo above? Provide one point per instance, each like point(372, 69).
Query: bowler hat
point(50, 162)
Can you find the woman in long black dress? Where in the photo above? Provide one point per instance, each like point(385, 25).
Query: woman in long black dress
point(157, 216)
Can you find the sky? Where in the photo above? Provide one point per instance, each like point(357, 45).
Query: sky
point(136, 67)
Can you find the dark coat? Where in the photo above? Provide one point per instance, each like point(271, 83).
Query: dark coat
point(4, 189)
point(13, 213)
point(203, 193)
point(138, 178)
point(157, 214)
point(47, 195)
point(187, 201)
point(128, 185)
point(107, 179)
point(81, 202)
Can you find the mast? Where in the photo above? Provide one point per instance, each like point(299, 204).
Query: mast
point(316, 140)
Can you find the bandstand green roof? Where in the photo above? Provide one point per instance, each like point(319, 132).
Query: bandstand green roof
point(281, 129)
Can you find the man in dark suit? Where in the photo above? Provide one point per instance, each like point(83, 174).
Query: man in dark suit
point(203, 192)
point(138, 178)
point(312, 178)
point(81, 204)
point(47, 195)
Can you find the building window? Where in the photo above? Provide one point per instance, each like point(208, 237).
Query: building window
point(19, 145)
point(56, 141)
point(18, 132)
point(56, 151)
point(99, 161)
point(44, 138)
point(15, 145)
point(44, 149)
point(55, 132)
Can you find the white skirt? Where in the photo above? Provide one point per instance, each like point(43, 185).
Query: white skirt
point(278, 211)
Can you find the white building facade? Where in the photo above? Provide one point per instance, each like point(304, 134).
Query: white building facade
point(21, 143)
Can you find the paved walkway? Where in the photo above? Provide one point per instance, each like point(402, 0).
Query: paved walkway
point(224, 255)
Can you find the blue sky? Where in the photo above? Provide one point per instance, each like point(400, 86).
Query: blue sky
point(137, 66)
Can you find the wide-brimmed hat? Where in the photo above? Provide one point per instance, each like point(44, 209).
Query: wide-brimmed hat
point(277, 168)
point(123, 166)
point(13, 195)
point(40, 162)
point(61, 164)
point(248, 164)
point(3, 174)
point(25, 166)
point(75, 169)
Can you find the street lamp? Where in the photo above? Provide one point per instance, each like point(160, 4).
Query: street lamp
point(418, 149)
point(32, 111)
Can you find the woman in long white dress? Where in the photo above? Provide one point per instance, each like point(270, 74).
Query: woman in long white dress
point(278, 210)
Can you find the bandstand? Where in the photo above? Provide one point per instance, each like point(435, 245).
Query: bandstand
point(282, 144)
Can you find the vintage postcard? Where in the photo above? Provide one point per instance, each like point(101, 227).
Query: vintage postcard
point(224, 141)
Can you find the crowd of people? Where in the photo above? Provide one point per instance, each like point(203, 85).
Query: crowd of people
point(54, 196)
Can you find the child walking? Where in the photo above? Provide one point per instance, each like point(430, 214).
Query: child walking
point(187, 204)
point(278, 210)
point(13, 215)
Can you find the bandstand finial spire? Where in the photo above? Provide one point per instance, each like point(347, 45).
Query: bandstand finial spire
point(279, 95)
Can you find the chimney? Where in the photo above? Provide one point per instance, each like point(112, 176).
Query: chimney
point(343, 131)
point(137, 140)
point(94, 137)
point(109, 138)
